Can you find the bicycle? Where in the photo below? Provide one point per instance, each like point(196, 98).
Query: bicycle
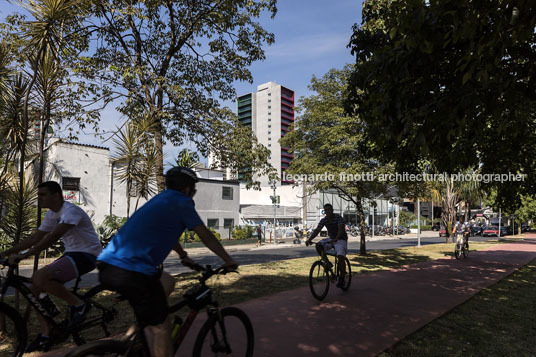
point(13, 328)
point(322, 274)
point(220, 334)
point(462, 246)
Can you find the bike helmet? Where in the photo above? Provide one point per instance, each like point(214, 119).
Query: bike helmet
point(180, 177)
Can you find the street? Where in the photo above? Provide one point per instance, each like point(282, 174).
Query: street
point(271, 253)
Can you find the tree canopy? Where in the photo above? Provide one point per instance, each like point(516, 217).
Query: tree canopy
point(327, 141)
point(173, 61)
point(449, 82)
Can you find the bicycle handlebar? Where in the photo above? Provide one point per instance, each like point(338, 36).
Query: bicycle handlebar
point(208, 272)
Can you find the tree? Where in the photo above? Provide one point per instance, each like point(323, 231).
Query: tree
point(136, 158)
point(327, 141)
point(172, 60)
point(451, 82)
point(186, 158)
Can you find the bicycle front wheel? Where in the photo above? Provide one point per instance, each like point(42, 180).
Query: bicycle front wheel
point(108, 348)
point(13, 332)
point(458, 251)
point(230, 336)
point(319, 280)
point(465, 250)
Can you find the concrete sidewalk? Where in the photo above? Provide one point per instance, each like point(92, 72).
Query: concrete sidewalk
point(379, 310)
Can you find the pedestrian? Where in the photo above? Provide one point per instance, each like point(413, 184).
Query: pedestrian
point(259, 236)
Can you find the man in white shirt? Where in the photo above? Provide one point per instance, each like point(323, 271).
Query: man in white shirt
point(82, 246)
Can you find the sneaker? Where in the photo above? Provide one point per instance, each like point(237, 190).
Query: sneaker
point(78, 315)
point(341, 283)
point(41, 343)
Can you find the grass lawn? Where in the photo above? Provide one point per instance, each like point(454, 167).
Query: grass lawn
point(498, 321)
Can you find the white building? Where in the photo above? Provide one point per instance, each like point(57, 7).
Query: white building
point(85, 173)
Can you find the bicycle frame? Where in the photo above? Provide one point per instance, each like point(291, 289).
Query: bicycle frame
point(18, 283)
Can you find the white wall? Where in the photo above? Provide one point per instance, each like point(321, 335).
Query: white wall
point(91, 165)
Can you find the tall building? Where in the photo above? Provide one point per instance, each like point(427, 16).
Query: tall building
point(270, 114)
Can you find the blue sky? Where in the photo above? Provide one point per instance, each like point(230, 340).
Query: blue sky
point(310, 39)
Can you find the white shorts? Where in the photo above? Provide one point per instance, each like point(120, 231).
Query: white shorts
point(340, 246)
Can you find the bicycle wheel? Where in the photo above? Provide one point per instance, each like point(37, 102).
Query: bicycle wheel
point(107, 348)
point(319, 280)
point(348, 276)
point(13, 334)
point(465, 250)
point(101, 321)
point(238, 331)
point(458, 251)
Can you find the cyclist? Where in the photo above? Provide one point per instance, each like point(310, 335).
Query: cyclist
point(338, 239)
point(462, 227)
point(82, 246)
point(131, 262)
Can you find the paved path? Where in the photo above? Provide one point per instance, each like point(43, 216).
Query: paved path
point(379, 309)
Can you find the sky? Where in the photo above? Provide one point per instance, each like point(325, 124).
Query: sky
point(310, 38)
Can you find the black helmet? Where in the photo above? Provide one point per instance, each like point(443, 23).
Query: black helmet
point(179, 177)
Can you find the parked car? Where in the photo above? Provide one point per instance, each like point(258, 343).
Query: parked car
point(506, 230)
point(491, 231)
point(525, 227)
point(436, 227)
point(476, 230)
point(443, 232)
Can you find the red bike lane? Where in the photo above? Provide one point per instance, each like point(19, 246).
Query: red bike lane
point(379, 309)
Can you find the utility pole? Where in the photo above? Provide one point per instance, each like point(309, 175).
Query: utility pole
point(418, 222)
point(274, 200)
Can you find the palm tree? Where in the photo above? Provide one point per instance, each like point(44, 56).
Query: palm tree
point(186, 158)
point(137, 157)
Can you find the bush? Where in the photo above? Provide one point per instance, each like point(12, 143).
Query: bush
point(191, 236)
point(423, 227)
point(109, 227)
point(242, 232)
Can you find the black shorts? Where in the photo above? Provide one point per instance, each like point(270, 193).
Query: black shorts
point(144, 293)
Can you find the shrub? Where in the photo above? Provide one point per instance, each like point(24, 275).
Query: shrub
point(191, 236)
point(109, 227)
point(242, 232)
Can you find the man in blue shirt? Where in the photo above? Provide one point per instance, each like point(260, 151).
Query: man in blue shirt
point(130, 264)
point(338, 239)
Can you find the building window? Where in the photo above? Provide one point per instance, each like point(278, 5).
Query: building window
point(269, 125)
point(227, 193)
point(269, 138)
point(269, 94)
point(269, 100)
point(269, 107)
point(70, 183)
point(212, 223)
point(269, 113)
point(269, 132)
point(269, 119)
point(269, 145)
point(228, 223)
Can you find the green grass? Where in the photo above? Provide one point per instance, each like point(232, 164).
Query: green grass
point(498, 321)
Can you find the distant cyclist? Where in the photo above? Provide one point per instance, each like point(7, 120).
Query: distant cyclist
point(462, 228)
point(70, 223)
point(131, 263)
point(337, 239)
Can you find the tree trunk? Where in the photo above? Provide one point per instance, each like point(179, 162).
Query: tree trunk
point(362, 226)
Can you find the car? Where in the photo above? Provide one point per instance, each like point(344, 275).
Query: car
point(476, 230)
point(525, 227)
point(506, 230)
point(490, 231)
point(443, 232)
point(436, 227)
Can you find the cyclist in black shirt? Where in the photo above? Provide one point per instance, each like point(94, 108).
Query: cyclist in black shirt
point(338, 239)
